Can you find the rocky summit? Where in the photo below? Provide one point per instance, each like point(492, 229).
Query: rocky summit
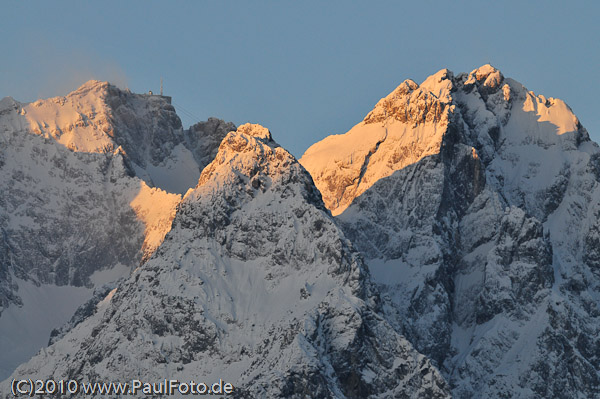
point(475, 203)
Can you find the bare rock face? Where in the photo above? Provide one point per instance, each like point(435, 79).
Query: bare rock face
point(255, 284)
point(204, 138)
point(484, 245)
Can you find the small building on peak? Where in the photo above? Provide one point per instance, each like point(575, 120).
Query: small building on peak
point(167, 98)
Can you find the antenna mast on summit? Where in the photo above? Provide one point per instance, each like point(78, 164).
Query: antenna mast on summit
point(161, 87)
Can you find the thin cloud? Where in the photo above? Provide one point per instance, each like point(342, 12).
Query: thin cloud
point(56, 71)
point(63, 77)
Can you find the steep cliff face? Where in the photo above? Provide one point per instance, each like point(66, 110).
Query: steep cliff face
point(204, 138)
point(254, 284)
point(484, 245)
point(89, 184)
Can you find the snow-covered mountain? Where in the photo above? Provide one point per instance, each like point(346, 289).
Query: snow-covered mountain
point(99, 118)
point(476, 203)
point(89, 184)
point(463, 259)
point(254, 284)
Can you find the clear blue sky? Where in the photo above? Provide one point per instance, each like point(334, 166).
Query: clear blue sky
point(303, 69)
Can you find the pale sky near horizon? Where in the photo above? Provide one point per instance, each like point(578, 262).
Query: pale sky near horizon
point(303, 69)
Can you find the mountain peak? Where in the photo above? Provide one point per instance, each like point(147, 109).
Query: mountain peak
point(440, 84)
point(406, 87)
point(94, 86)
point(249, 157)
point(93, 83)
point(98, 117)
point(412, 121)
point(484, 71)
point(249, 140)
point(256, 130)
point(513, 173)
point(486, 75)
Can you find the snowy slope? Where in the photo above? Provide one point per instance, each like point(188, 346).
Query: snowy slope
point(254, 284)
point(485, 245)
point(404, 127)
point(73, 212)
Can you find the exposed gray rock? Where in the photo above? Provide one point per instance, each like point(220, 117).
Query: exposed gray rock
point(204, 138)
